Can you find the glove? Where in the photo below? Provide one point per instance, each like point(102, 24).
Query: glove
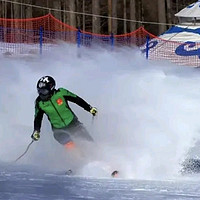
point(93, 111)
point(36, 135)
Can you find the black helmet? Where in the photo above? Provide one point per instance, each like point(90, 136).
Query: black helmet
point(45, 87)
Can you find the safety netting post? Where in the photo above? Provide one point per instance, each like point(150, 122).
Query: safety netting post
point(41, 39)
point(78, 38)
point(1, 34)
point(147, 46)
point(112, 41)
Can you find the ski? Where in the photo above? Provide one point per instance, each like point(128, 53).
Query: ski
point(114, 174)
point(69, 172)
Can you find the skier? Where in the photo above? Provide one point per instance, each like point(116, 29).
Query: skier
point(54, 103)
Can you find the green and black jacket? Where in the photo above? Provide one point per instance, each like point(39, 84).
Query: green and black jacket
point(57, 109)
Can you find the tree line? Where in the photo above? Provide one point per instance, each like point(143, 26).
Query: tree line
point(109, 16)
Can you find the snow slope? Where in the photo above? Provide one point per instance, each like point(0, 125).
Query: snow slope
point(148, 111)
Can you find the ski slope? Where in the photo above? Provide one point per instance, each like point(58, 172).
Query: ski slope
point(148, 119)
point(29, 183)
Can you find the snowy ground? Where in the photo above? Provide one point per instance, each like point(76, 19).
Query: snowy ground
point(30, 184)
point(148, 123)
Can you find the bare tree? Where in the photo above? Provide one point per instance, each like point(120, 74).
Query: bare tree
point(1, 9)
point(169, 8)
point(16, 10)
point(78, 6)
point(125, 26)
point(57, 5)
point(95, 20)
point(29, 9)
point(29, 14)
point(109, 15)
point(114, 14)
point(140, 10)
point(83, 11)
point(66, 15)
point(72, 16)
point(161, 16)
point(132, 14)
point(177, 7)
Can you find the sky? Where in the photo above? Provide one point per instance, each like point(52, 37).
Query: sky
point(148, 112)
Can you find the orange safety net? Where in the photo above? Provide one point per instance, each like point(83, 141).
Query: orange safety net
point(28, 30)
point(135, 38)
point(39, 34)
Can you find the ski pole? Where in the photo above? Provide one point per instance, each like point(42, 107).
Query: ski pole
point(25, 151)
point(92, 119)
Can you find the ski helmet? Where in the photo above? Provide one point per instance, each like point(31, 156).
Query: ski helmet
point(45, 87)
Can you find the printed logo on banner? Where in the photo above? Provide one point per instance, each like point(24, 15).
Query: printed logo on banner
point(192, 5)
point(151, 45)
point(188, 49)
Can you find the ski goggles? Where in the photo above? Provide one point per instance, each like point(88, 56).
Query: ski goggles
point(43, 91)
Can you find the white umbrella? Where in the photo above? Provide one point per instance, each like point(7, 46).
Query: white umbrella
point(191, 11)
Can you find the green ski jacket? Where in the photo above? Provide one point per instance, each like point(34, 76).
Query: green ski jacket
point(57, 109)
